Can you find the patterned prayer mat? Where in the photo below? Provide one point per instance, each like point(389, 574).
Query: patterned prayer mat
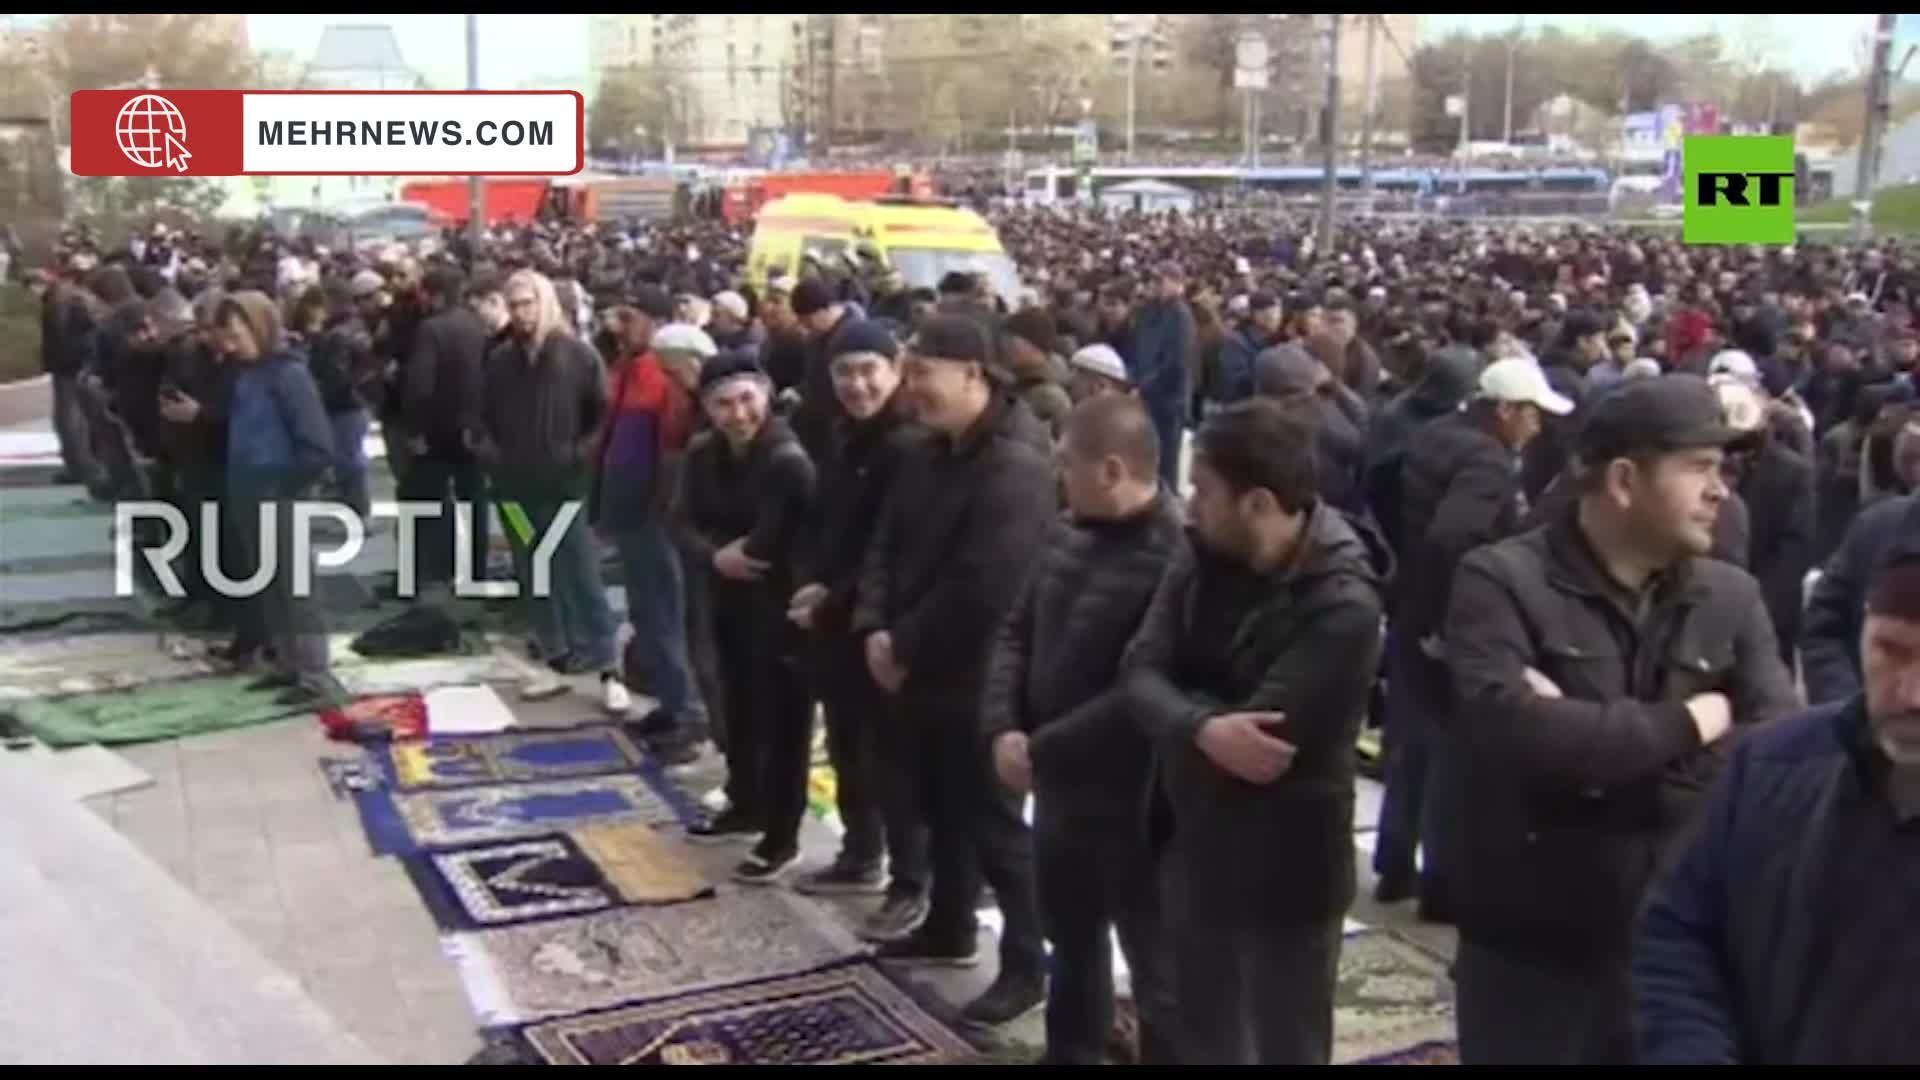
point(402, 822)
point(1392, 998)
point(540, 970)
point(640, 865)
point(591, 869)
point(850, 1015)
point(520, 756)
point(510, 882)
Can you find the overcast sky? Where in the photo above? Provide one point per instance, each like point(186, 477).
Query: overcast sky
point(516, 49)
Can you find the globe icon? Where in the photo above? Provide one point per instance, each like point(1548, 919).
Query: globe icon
point(143, 127)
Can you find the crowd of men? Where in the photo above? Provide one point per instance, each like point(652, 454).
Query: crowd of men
point(1151, 544)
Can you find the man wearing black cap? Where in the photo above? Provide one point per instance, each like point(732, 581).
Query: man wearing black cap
point(1581, 344)
point(1595, 661)
point(875, 798)
point(745, 491)
point(1774, 936)
point(821, 315)
point(950, 551)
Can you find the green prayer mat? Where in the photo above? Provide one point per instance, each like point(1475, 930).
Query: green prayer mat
point(161, 711)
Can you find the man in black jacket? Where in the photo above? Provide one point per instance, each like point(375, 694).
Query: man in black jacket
point(946, 561)
point(1830, 638)
point(442, 403)
point(1777, 486)
point(1771, 939)
point(1250, 675)
point(1582, 343)
point(875, 800)
point(1595, 662)
point(1460, 488)
point(821, 317)
point(745, 491)
point(1053, 713)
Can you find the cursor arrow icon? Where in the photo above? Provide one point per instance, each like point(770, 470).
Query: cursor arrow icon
point(177, 153)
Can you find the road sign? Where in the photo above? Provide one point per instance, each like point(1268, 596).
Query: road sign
point(1250, 61)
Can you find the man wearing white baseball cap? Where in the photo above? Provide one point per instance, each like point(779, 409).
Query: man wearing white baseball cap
point(1460, 488)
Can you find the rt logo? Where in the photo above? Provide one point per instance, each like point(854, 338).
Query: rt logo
point(1738, 189)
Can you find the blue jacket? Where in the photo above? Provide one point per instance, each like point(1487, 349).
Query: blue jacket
point(1830, 628)
point(1783, 931)
point(1163, 336)
point(278, 438)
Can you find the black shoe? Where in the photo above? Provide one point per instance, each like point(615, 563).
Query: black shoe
point(921, 950)
point(845, 879)
point(897, 919)
point(758, 869)
point(1008, 999)
point(724, 828)
point(1394, 889)
point(272, 680)
point(657, 723)
point(571, 664)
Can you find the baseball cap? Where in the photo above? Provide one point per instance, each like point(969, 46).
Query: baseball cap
point(653, 302)
point(1522, 382)
point(1665, 412)
point(1736, 363)
point(1101, 360)
point(955, 338)
point(732, 303)
point(680, 337)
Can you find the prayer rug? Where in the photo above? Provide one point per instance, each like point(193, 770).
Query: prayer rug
point(500, 884)
point(168, 710)
point(849, 1015)
point(540, 970)
point(639, 865)
point(404, 822)
point(520, 756)
point(1392, 998)
point(377, 716)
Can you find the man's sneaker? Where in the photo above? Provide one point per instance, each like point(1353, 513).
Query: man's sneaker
point(723, 828)
point(758, 869)
point(614, 697)
point(845, 879)
point(1008, 999)
point(541, 685)
point(922, 951)
point(896, 920)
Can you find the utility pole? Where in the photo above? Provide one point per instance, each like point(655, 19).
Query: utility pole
point(476, 201)
point(1466, 109)
point(1330, 136)
point(1133, 79)
point(1867, 169)
point(1366, 118)
point(1513, 44)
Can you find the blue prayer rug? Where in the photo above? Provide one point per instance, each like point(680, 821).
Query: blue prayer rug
point(514, 757)
point(406, 822)
point(849, 1015)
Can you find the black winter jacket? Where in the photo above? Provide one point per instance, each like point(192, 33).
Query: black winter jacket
point(1777, 486)
point(1565, 804)
point(762, 495)
point(1303, 641)
point(1830, 636)
point(853, 486)
point(1460, 488)
point(1056, 660)
point(542, 417)
point(444, 378)
point(1774, 937)
point(953, 545)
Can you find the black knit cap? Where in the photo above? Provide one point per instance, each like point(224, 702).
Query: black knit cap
point(653, 302)
point(1036, 327)
point(729, 364)
point(810, 296)
point(865, 336)
point(953, 337)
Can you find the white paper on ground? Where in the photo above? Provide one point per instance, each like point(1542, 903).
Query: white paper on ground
point(409, 676)
point(466, 710)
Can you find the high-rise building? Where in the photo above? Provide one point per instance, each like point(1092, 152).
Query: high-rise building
point(622, 41)
point(733, 75)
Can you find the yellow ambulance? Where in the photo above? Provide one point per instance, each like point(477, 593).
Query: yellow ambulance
point(921, 240)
